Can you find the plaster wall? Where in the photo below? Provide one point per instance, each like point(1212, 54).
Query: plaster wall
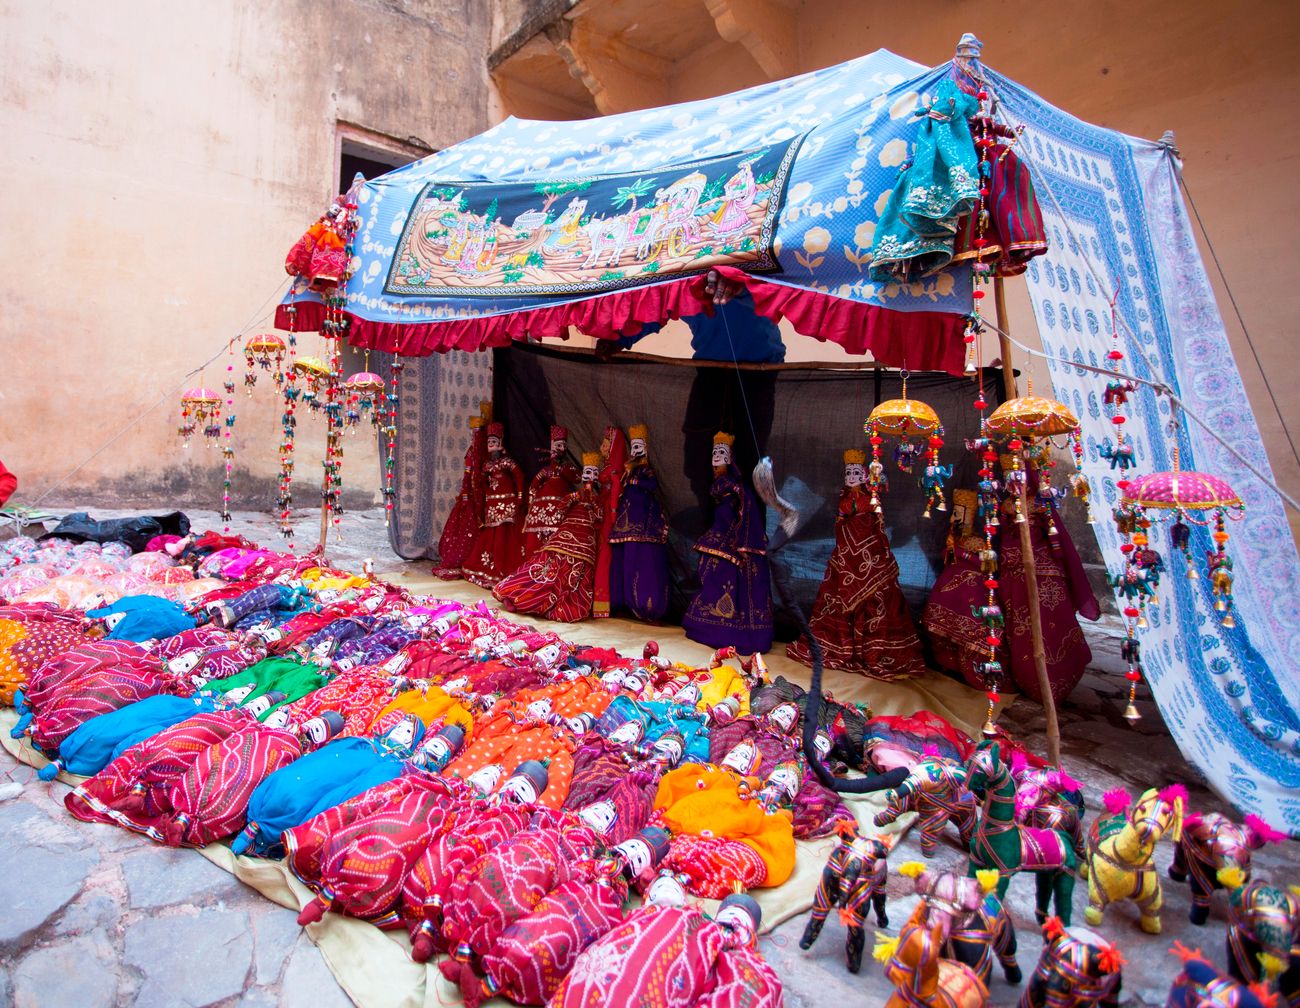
point(159, 160)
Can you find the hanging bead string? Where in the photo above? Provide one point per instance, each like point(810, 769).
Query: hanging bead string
point(389, 431)
point(288, 426)
point(228, 444)
point(981, 269)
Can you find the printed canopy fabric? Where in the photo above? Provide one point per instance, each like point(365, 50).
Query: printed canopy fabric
point(1116, 222)
point(610, 223)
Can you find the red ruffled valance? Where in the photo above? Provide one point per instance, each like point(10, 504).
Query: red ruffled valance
point(921, 341)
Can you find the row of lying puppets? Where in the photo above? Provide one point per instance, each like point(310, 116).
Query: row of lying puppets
point(566, 552)
point(526, 787)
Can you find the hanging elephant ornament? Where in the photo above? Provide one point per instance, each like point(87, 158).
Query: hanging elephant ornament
point(906, 419)
point(364, 397)
point(200, 414)
point(1182, 494)
point(265, 352)
point(313, 375)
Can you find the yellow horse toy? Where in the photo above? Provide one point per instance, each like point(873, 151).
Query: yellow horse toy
point(1121, 846)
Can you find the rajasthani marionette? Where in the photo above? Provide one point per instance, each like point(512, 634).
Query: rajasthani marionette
point(734, 604)
point(639, 571)
point(547, 494)
point(958, 636)
point(613, 449)
point(467, 513)
point(498, 548)
point(860, 617)
point(557, 583)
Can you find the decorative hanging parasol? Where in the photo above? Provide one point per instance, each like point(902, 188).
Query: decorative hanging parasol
point(907, 418)
point(365, 383)
point(265, 351)
point(1032, 416)
point(311, 367)
point(364, 391)
point(200, 406)
point(1185, 491)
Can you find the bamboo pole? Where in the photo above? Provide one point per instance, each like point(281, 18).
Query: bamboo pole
point(1026, 543)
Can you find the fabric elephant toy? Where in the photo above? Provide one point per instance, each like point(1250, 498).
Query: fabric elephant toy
point(936, 791)
point(1077, 969)
point(854, 877)
point(1210, 844)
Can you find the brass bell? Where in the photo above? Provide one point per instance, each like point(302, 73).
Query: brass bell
point(1141, 621)
point(926, 512)
point(942, 505)
point(990, 730)
point(1220, 605)
point(1154, 599)
point(1192, 573)
point(1229, 622)
point(1131, 714)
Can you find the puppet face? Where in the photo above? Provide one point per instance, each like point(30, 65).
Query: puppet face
point(613, 679)
point(689, 695)
point(441, 625)
point(666, 891)
point(261, 705)
point(521, 789)
point(854, 474)
point(786, 779)
point(182, 664)
point(485, 778)
point(402, 734)
point(436, 753)
point(558, 445)
point(737, 919)
point(784, 716)
point(344, 663)
point(459, 683)
point(822, 744)
point(668, 749)
point(721, 456)
point(113, 619)
point(579, 725)
point(636, 854)
point(493, 444)
point(634, 682)
point(590, 474)
point(317, 729)
point(238, 695)
point(540, 709)
point(278, 719)
point(600, 816)
point(741, 758)
point(628, 733)
point(548, 655)
point(636, 447)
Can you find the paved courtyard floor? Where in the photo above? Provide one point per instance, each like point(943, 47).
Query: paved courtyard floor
point(94, 916)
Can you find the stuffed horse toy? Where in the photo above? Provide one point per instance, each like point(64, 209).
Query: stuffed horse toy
point(854, 876)
point(1077, 969)
point(976, 926)
point(936, 791)
point(1047, 798)
point(1004, 844)
point(1211, 843)
point(1264, 934)
point(922, 978)
point(1121, 849)
point(1201, 985)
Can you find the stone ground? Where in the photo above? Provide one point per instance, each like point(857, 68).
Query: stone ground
point(97, 917)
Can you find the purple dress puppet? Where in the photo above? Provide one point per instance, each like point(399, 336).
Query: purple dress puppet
point(639, 566)
point(734, 605)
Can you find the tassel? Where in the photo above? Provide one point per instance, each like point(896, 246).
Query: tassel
point(911, 869)
point(988, 878)
point(1231, 878)
point(885, 948)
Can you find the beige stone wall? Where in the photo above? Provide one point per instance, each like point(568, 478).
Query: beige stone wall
point(159, 159)
point(1218, 74)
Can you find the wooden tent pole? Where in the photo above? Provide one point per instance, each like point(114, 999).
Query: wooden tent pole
point(1026, 543)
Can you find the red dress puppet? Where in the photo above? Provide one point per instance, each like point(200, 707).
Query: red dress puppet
point(557, 583)
point(614, 450)
point(498, 548)
point(467, 513)
point(860, 617)
point(548, 494)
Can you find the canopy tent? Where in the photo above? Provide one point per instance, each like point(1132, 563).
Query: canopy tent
point(460, 251)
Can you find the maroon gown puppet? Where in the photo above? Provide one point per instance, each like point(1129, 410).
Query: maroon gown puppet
point(557, 583)
point(547, 494)
point(734, 604)
point(498, 547)
point(467, 513)
point(860, 617)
